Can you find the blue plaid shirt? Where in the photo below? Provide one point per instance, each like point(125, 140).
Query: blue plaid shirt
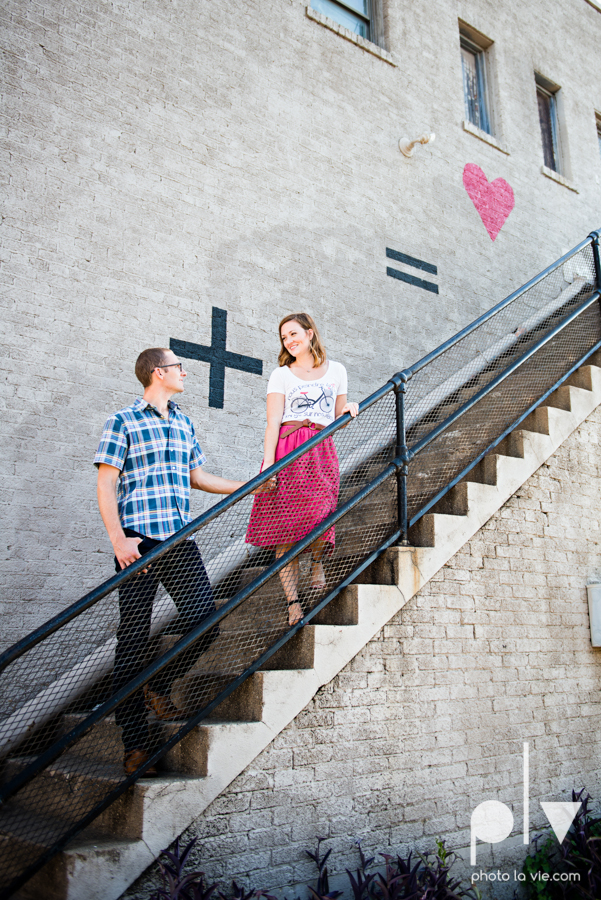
point(155, 456)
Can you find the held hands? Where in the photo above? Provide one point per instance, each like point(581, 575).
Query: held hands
point(272, 484)
point(266, 488)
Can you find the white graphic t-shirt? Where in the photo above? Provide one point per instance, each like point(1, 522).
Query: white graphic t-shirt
point(313, 400)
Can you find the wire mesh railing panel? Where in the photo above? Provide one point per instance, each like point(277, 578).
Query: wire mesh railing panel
point(444, 458)
point(458, 373)
point(97, 654)
point(174, 642)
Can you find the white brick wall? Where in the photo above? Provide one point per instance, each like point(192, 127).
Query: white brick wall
point(429, 720)
point(159, 160)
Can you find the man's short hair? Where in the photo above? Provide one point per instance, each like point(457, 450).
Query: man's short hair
point(148, 361)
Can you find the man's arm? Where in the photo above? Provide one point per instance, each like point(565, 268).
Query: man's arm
point(126, 549)
point(212, 484)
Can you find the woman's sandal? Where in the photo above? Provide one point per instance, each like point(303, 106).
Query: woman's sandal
point(296, 621)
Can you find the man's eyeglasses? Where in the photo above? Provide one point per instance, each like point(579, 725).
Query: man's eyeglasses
point(170, 366)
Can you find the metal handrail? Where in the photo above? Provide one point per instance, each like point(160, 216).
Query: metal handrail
point(512, 427)
point(191, 723)
point(394, 384)
point(593, 238)
point(443, 426)
point(106, 708)
point(80, 606)
point(398, 468)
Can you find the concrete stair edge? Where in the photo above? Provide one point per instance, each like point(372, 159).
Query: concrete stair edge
point(102, 870)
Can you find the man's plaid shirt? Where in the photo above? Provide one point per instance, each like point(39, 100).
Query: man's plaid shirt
point(155, 456)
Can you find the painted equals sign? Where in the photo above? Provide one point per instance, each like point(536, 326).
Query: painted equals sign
point(416, 264)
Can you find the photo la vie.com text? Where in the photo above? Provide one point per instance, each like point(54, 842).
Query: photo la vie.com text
point(492, 822)
point(497, 875)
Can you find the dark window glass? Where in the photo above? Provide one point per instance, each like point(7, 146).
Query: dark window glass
point(474, 85)
point(352, 14)
point(547, 114)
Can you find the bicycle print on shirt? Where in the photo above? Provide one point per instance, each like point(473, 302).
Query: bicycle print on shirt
point(306, 405)
point(314, 400)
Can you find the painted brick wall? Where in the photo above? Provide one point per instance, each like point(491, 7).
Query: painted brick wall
point(161, 159)
point(430, 718)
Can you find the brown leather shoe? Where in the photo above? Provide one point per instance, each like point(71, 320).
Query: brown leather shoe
point(161, 706)
point(132, 761)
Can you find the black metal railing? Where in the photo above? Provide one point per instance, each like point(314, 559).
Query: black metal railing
point(66, 703)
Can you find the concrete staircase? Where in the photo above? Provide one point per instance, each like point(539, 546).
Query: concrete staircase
point(102, 862)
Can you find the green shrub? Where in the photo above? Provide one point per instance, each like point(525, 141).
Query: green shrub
point(577, 858)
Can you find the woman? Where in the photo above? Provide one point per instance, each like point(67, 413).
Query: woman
point(304, 395)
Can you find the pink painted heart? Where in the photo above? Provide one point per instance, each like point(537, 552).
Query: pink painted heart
point(494, 200)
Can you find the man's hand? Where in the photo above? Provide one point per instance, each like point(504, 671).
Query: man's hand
point(268, 487)
point(126, 551)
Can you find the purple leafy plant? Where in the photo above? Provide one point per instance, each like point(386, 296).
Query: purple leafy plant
point(176, 885)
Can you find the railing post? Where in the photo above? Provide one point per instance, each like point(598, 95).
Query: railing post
point(400, 389)
point(594, 236)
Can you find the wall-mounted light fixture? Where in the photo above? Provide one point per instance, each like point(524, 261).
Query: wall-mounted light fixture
point(407, 147)
point(594, 612)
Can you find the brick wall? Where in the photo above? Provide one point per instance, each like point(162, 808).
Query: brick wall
point(430, 718)
point(159, 160)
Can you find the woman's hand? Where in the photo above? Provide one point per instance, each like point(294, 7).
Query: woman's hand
point(343, 407)
point(352, 408)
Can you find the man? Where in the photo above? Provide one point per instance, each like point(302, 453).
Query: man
point(148, 459)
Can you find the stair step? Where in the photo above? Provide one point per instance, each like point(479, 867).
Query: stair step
point(588, 378)
point(197, 688)
point(52, 794)
point(42, 831)
point(55, 881)
point(342, 610)
point(105, 736)
point(560, 399)
point(218, 749)
point(297, 653)
point(486, 471)
point(456, 501)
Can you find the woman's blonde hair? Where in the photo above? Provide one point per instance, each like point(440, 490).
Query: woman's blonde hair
point(306, 323)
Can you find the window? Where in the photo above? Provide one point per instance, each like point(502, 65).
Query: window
point(598, 118)
point(352, 14)
point(475, 87)
point(546, 95)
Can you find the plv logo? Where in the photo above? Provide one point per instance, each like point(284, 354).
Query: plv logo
point(492, 821)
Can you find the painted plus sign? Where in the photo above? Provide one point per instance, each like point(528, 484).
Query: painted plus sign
point(217, 356)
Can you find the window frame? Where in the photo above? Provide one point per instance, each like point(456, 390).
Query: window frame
point(478, 45)
point(548, 90)
point(598, 124)
point(367, 20)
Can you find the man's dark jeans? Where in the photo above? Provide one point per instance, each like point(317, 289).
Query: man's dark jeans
point(184, 577)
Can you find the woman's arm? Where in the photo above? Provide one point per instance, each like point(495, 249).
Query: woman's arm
point(275, 411)
point(343, 407)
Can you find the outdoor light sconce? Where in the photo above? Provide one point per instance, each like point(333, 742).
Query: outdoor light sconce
point(407, 147)
point(594, 611)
